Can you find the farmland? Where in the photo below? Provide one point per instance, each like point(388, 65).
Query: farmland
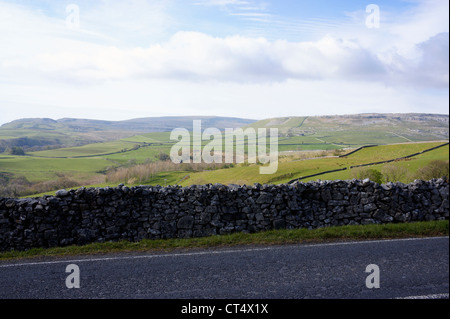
point(290, 167)
point(307, 146)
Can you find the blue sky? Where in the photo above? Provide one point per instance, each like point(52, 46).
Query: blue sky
point(243, 58)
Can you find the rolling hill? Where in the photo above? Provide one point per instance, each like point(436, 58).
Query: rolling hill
point(43, 133)
point(360, 129)
point(290, 168)
point(296, 133)
point(96, 152)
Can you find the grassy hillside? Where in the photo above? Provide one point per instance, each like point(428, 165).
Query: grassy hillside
point(41, 134)
point(296, 133)
point(362, 129)
point(290, 167)
point(40, 169)
point(135, 158)
point(411, 165)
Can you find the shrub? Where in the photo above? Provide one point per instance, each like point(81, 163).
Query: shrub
point(16, 150)
point(20, 186)
point(435, 169)
point(15, 187)
point(144, 173)
point(370, 173)
point(163, 157)
point(393, 173)
point(338, 152)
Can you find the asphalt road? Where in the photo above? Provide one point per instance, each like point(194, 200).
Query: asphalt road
point(412, 268)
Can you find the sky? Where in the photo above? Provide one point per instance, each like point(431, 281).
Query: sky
point(255, 59)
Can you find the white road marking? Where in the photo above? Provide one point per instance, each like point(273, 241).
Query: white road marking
point(215, 252)
point(435, 296)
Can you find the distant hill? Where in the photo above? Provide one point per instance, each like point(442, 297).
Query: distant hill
point(363, 128)
point(153, 124)
point(315, 132)
point(141, 125)
point(44, 133)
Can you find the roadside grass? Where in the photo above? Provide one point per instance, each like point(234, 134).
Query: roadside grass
point(273, 237)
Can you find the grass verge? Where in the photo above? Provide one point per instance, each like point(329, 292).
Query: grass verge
point(274, 237)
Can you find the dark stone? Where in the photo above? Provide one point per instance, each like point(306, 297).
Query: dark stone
point(62, 193)
point(185, 222)
point(279, 224)
point(264, 198)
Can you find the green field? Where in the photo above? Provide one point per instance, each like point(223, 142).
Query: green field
point(87, 150)
point(289, 170)
point(40, 169)
point(412, 165)
point(158, 137)
point(85, 162)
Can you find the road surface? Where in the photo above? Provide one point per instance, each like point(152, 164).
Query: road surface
point(408, 268)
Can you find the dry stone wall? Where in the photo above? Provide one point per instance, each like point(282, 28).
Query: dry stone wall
point(88, 215)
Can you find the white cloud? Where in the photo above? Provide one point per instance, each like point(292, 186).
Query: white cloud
point(194, 56)
point(429, 69)
point(425, 20)
point(220, 2)
point(348, 70)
